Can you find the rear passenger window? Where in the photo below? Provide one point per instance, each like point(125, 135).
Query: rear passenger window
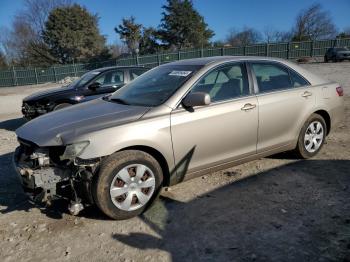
point(224, 83)
point(271, 77)
point(297, 80)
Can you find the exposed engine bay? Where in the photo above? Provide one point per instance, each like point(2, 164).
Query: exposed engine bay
point(47, 174)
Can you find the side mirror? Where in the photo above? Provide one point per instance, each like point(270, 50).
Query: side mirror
point(94, 86)
point(196, 99)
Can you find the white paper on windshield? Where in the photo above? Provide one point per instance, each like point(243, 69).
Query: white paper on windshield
point(95, 73)
point(180, 73)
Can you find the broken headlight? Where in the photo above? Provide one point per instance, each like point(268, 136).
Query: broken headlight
point(40, 157)
point(74, 150)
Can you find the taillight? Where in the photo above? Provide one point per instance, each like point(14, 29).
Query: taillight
point(340, 91)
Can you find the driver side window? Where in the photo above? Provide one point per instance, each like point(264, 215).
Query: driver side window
point(224, 83)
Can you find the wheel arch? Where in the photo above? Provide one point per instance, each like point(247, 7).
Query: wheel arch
point(158, 156)
point(327, 118)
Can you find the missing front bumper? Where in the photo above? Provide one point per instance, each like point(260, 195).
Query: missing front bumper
point(42, 184)
point(51, 181)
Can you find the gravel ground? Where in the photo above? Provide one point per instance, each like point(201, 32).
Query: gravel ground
point(11, 98)
point(283, 209)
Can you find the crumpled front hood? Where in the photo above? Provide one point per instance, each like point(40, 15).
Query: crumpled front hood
point(47, 93)
point(62, 126)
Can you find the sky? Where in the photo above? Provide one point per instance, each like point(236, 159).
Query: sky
point(220, 15)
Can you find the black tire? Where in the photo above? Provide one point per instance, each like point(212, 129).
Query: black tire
point(61, 106)
point(334, 59)
point(325, 59)
point(300, 149)
point(109, 169)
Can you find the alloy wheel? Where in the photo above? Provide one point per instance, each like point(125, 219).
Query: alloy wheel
point(314, 136)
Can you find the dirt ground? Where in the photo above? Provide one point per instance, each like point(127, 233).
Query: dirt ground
point(283, 210)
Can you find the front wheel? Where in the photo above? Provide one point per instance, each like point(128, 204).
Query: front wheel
point(311, 137)
point(127, 183)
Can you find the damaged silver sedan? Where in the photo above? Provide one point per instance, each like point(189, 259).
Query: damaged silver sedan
point(175, 122)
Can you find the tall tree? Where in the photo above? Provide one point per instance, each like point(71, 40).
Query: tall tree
point(182, 26)
point(149, 41)
point(313, 23)
point(247, 36)
point(36, 12)
point(23, 43)
point(72, 33)
point(9, 45)
point(130, 33)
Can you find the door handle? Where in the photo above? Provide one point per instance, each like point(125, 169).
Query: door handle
point(306, 94)
point(248, 106)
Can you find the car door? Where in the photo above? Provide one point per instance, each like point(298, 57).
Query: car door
point(109, 81)
point(225, 130)
point(285, 100)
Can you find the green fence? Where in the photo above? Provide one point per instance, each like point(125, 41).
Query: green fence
point(291, 50)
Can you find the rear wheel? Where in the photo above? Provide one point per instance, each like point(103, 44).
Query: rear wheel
point(127, 183)
point(311, 137)
point(325, 59)
point(60, 106)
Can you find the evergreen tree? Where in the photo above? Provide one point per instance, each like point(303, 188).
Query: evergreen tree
point(149, 41)
point(130, 33)
point(182, 26)
point(71, 33)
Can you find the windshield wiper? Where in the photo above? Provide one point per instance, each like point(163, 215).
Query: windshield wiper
point(119, 101)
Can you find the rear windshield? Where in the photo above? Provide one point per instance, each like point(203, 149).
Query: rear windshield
point(156, 86)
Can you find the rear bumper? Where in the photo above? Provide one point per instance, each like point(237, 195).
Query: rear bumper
point(337, 115)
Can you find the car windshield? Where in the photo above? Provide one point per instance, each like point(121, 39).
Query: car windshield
point(84, 79)
point(154, 87)
point(342, 49)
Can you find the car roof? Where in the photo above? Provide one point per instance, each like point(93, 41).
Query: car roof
point(219, 59)
point(210, 62)
point(102, 69)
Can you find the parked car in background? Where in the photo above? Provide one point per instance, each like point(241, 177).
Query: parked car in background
point(175, 122)
point(91, 85)
point(337, 54)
